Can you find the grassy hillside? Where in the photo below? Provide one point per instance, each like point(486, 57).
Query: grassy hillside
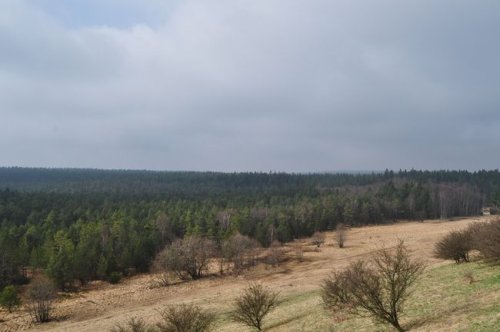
point(444, 300)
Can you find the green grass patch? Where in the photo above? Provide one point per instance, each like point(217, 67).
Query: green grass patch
point(443, 299)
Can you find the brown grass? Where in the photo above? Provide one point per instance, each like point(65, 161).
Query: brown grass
point(101, 306)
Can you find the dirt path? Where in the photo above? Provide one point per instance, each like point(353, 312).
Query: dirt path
point(103, 306)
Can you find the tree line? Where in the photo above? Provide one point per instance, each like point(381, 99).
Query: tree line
point(80, 225)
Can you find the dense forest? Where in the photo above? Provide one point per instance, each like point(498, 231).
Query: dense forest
point(81, 224)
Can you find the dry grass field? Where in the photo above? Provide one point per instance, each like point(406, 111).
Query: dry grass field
point(446, 300)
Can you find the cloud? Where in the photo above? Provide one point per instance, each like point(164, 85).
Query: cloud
point(250, 85)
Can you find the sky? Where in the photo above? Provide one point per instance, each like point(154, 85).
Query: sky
point(261, 85)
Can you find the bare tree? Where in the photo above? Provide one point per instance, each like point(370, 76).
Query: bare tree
point(186, 318)
point(275, 253)
point(239, 251)
point(253, 305)
point(187, 258)
point(318, 239)
point(378, 287)
point(41, 294)
point(340, 234)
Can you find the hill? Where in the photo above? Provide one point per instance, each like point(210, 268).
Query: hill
point(445, 301)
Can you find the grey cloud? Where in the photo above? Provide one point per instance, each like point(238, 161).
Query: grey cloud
point(255, 85)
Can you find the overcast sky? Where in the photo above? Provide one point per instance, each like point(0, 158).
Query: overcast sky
point(237, 85)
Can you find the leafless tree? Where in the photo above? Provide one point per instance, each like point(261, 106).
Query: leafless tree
point(41, 294)
point(275, 253)
point(187, 258)
point(253, 305)
point(239, 251)
point(378, 287)
point(341, 234)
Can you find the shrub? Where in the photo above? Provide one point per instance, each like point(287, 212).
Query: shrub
point(335, 290)
point(469, 276)
point(133, 325)
point(241, 251)
point(187, 258)
point(318, 239)
point(253, 305)
point(455, 245)
point(115, 277)
point(186, 318)
point(378, 287)
point(41, 293)
point(486, 239)
point(299, 254)
point(160, 280)
point(275, 254)
point(9, 298)
point(340, 234)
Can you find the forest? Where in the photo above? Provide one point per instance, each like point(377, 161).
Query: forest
point(85, 224)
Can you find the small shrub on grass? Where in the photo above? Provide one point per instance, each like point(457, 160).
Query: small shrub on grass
point(133, 325)
point(469, 276)
point(160, 281)
point(253, 306)
point(335, 290)
point(186, 318)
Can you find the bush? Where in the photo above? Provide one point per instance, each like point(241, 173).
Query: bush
point(240, 251)
point(115, 277)
point(455, 245)
point(41, 293)
point(335, 290)
point(187, 258)
point(186, 318)
point(253, 305)
point(378, 287)
point(340, 233)
point(275, 254)
point(133, 325)
point(486, 239)
point(318, 239)
point(160, 280)
point(9, 298)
